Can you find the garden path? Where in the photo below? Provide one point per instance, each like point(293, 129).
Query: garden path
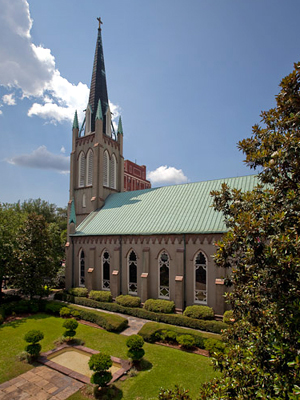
point(40, 383)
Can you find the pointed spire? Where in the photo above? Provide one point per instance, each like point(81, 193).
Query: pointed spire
point(120, 127)
point(99, 114)
point(72, 213)
point(75, 121)
point(98, 89)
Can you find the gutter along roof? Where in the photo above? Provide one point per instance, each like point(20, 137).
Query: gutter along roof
point(166, 210)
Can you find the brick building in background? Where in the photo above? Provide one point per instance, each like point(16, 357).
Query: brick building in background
point(135, 177)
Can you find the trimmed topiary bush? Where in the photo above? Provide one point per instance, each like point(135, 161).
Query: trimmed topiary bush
point(135, 344)
point(168, 336)
point(228, 317)
point(100, 295)
point(214, 346)
point(160, 306)
point(71, 326)
point(79, 292)
point(199, 312)
point(65, 312)
point(33, 348)
point(186, 341)
point(100, 363)
point(126, 300)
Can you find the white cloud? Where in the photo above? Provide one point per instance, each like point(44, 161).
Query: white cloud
point(62, 150)
point(9, 99)
point(1, 112)
point(31, 68)
point(41, 158)
point(165, 175)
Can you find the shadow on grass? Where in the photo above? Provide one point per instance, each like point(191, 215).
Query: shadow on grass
point(143, 365)
point(108, 393)
point(19, 319)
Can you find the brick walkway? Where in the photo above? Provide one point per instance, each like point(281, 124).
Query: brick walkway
point(40, 383)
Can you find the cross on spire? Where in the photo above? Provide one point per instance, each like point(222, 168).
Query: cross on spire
point(100, 22)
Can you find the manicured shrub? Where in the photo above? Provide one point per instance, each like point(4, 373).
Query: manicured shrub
point(135, 344)
point(110, 322)
point(199, 312)
point(214, 346)
point(75, 314)
point(170, 394)
point(101, 295)
point(33, 336)
point(186, 341)
point(71, 326)
point(168, 336)
point(126, 300)
point(160, 306)
point(173, 319)
point(79, 292)
point(100, 363)
point(33, 348)
point(153, 331)
point(228, 317)
point(65, 312)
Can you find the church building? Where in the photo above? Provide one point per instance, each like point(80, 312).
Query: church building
point(152, 242)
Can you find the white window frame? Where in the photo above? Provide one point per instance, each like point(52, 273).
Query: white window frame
point(160, 265)
point(204, 266)
point(80, 276)
point(132, 285)
point(105, 282)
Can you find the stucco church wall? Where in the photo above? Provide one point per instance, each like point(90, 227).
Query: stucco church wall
point(182, 251)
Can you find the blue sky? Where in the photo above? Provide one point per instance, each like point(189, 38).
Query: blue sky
point(188, 77)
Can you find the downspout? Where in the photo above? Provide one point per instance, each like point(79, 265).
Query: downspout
point(120, 263)
point(184, 272)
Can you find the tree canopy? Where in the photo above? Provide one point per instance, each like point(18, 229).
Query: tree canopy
point(12, 225)
point(261, 253)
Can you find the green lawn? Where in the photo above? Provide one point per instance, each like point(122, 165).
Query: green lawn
point(163, 367)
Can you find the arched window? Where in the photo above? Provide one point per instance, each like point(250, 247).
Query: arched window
point(81, 269)
point(200, 265)
point(81, 171)
point(89, 162)
point(132, 273)
point(105, 270)
point(105, 168)
point(164, 275)
point(113, 164)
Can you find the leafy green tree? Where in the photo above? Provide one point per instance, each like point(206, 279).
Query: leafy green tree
point(36, 265)
point(10, 221)
point(261, 252)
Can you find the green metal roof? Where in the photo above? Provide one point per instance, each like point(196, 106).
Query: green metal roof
point(165, 210)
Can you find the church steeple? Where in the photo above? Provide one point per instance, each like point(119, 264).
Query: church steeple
point(98, 89)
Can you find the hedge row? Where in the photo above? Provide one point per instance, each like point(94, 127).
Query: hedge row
point(152, 332)
point(110, 322)
point(173, 319)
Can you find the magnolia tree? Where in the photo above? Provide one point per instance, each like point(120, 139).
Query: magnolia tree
point(261, 252)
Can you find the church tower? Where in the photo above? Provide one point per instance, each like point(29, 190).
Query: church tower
point(96, 161)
